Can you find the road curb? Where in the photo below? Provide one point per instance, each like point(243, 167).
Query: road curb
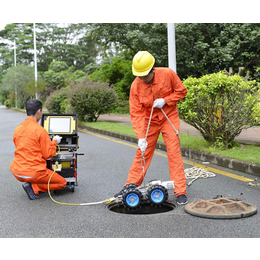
point(226, 162)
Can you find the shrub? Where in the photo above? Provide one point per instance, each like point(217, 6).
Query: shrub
point(91, 99)
point(57, 102)
point(7, 103)
point(220, 106)
point(54, 80)
point(58, 66)
point(4, 94)
point(10, 102)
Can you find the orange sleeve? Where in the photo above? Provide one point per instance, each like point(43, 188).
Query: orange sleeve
point(179, 91)
point(48, 146)
point(137, 114)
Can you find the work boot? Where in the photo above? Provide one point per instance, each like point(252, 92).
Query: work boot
point(182, 199)
point(28, 189)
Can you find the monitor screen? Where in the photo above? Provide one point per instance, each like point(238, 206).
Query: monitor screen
point(59, 125)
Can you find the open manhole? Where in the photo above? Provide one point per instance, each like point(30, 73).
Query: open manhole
point(221, 208)
point(145, 208)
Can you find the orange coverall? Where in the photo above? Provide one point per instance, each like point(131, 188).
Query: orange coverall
point(166, 84)
point(33, 147)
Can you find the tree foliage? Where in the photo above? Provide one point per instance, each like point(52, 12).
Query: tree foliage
point(20, 80)
point(118, 74)
point(220, 106)
point(70, 44)
point(58, 66)
point(54, 80)
point(130, 38)
point(209, 48)
point(200, 48)
point(60, 76)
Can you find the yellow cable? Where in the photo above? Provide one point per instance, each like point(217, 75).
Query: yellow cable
point(76, 204)
point(61, 203)
point(58, 151)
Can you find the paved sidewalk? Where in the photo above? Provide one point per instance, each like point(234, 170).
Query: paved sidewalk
point(249, 136)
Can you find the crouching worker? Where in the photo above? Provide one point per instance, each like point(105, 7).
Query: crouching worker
point(33, 147)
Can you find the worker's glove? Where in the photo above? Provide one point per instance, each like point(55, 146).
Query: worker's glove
point(57, 138)
point(159, 102)
point(142, 144)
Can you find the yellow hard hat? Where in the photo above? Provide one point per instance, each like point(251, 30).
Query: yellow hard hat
point(143, 62)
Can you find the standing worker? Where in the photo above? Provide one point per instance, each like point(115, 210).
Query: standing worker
point(33, 147)
point(156, 88)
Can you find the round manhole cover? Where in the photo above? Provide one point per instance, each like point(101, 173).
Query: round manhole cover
point(145, 208)
point(223, 208)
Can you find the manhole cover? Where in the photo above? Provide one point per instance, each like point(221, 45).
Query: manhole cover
point(223, 208)
point(146, 208)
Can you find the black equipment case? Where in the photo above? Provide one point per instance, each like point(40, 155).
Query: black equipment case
point(65, 159)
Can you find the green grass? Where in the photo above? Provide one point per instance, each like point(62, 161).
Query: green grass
point(114, 127)
point(249, 153)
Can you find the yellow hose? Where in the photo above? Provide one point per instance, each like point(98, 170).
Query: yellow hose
point(76, 204)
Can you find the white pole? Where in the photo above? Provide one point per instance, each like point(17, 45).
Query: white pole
point(14, 53)
point(35, 61)
point(15, 74)
point(10, 42)
point(171, 47)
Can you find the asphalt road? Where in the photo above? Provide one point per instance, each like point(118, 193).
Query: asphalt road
point(102, 171)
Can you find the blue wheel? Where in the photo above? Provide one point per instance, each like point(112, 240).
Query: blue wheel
point(132, 198)
point(157, 195)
